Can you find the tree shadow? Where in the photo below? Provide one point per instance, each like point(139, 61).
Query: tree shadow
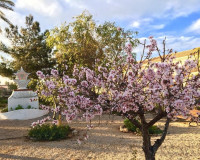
point(9, 156)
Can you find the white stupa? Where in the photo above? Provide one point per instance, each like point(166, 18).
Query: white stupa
point(22, 96)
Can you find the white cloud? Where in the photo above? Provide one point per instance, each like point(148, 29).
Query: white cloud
point(5, 40)
point(15, 18)
point(54, 12)
point(195, 27)
point(136, 8)
point(159, 26)
point(135, 24)
point(44, 7)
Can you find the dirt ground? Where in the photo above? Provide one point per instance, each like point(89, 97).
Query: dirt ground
point(106, 142)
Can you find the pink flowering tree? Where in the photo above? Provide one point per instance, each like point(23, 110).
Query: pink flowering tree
point(129, 87)
point(69, 98)
point(136, 88)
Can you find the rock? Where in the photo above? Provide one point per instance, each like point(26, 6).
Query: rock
point(74, 132)
point(123, 129)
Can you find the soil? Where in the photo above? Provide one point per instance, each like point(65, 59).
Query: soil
point(105, 142)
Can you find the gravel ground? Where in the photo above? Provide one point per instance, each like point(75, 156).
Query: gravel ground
point(106, 142)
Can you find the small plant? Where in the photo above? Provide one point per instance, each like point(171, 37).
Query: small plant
point(4, 110)
point(3, 100)
point(29, 107)
point(47, 132)
point(131, 127)
point(19, 107)
point(155, 130)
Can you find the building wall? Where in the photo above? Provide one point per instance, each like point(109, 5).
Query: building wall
point(182, 56)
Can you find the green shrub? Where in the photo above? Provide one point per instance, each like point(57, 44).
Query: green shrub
point(47, 132)
point(131, 127)
point(155, 130)
point(2, 105)
point(4, 110)
point(29, 107)
point(19, 107)
point(3, 100)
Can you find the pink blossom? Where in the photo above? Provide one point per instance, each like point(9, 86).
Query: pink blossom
point(54, 72)
point(40, 74)
point(79, 142)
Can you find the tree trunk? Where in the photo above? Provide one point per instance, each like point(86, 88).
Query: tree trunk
point(147, 148)
point(59, 120)
point(54, 115)
point(150, 151)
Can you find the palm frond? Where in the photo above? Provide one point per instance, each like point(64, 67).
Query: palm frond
point(5, 19)
point(1, 13)
point(4, 6)
point(8, 2)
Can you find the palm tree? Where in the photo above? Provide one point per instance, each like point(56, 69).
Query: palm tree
point(6, 4)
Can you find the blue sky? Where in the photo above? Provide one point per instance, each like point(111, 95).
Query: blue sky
point(177, 20)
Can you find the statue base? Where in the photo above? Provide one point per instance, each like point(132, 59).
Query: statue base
point(23, 97)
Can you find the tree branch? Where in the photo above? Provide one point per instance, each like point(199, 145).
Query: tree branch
point(157, 118)
point(136, 123)
point(158, 142)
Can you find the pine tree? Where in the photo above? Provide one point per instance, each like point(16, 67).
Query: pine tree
point(28, 49)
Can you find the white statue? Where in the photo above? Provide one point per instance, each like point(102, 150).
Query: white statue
point(21, 79)
point(22, 96)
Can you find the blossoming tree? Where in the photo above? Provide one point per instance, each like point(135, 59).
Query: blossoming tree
point(131, 88)
point(135, 88)
point(69, 98)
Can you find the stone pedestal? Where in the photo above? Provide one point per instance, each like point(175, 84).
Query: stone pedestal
point(23, 97)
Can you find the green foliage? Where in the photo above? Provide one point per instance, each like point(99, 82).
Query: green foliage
point(154, 130)
point(4, 110)
point(131, 127)
point(28, 49)
point(3, 105)
point(19, 107)
point(11, 86)
point(82, 42)
point(28, 107)
point(48, 132)
point(3, 100)
point(32, 84)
